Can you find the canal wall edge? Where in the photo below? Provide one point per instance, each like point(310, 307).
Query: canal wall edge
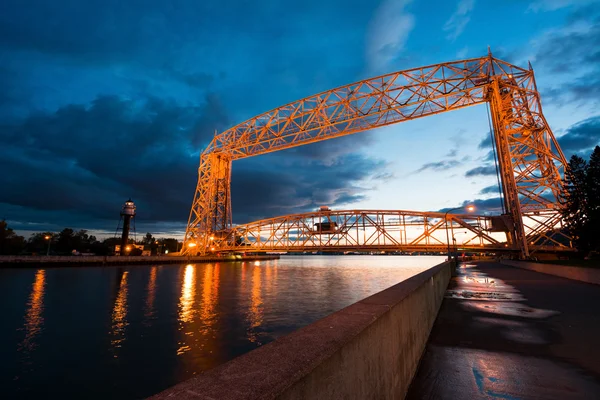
point(370, 349)
point(589, 275)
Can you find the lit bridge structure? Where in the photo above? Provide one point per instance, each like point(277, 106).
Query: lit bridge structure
point(530, 163)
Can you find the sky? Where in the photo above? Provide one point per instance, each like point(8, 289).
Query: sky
point(105, 100)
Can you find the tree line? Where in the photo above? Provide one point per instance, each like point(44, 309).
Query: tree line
point(69, 241)
point(581, 206)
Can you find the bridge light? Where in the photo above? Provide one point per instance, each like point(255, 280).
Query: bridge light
point(211, 238)
point(471, 208)
point(192, 244)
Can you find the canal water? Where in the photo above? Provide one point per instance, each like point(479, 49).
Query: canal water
point(130, 332)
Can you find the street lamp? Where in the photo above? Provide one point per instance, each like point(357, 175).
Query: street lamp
point(469, 208)
point(48, 238)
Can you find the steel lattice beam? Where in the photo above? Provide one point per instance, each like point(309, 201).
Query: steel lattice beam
point(530, 161)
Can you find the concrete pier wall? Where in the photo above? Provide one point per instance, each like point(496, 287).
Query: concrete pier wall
point(589, 275)
point(66, 261)
point(369, 350)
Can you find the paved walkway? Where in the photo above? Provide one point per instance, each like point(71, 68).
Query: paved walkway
point(508, 333)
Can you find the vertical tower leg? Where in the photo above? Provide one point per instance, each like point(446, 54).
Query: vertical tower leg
point(210, 216)
point(531, 163)
point(501, 108)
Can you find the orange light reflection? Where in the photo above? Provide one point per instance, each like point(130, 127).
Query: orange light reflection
point(151, 290)
point(256, 302)
point(119, 314)
point(33, 316)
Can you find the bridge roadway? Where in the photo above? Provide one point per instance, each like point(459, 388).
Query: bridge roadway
point(508, 333)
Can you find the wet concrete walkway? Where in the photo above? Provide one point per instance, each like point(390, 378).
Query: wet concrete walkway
point(508, 333)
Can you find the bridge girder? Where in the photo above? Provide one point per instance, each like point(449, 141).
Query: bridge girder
point(531, 164)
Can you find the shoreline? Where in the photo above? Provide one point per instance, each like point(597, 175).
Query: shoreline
point(108, 261)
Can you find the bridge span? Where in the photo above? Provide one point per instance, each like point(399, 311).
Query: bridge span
point(369, 230)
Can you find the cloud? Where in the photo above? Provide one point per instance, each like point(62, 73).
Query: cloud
point(492, 189)
point(581, 137)
point(452, 153)
point(388, 32)
point(482, 206)
point(458, 21)
point(552, 5)
point(484, 170)
point(486, 142)
point(80, 163)
point(570, 55)
point(439, 166)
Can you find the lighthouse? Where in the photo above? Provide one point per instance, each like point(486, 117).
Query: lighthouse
point(127, 213)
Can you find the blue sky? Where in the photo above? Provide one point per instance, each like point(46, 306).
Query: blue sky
point(105, 100)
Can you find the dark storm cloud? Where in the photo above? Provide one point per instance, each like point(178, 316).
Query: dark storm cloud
point(581, 137)
point(484, 170)
point(266, 188)
point(85, 161)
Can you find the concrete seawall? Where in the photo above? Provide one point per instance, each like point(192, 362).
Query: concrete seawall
point(74, 261)
point(589, 275)
point(368, 350)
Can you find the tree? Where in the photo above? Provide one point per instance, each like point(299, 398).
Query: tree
point(593, 199)
point(148, 240)
point(581, 207)
point(10, 242)
point(37, 243)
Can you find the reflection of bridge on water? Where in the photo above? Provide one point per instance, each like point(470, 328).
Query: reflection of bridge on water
point(530, 166)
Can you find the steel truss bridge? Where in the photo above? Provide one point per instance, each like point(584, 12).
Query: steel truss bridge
point(530, 164)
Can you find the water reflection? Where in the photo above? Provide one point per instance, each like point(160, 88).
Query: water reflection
point(255, 315)
point(201, 316)
point(119, 315)
point(149, 307)
point(210, 290)
point(188, 291)
point(186, 306)
point(33, 316)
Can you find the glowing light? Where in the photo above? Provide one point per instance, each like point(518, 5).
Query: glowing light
point(211, 238)
point(192, 244)
point(212, 249)
point(257, 263)
point(128, 248)
point(46, 237)
point(470, 208)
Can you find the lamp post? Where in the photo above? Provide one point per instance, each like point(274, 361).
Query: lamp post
point(469, 208)
point(49, 239)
